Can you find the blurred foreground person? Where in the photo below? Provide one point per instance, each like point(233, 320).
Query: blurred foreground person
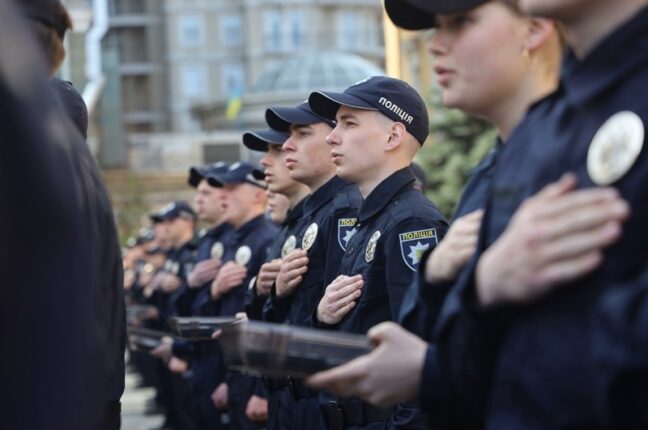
point(62, 306)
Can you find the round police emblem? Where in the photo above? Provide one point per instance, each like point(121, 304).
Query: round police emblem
point(310, 236)
point(168, 266)
point(188, 267)
point(243, 255)
point(615, 148)
point(217, 250)
point(288, 246)
point(175, 269)
point(371, 246)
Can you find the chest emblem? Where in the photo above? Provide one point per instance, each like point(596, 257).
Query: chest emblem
point(288, 246)
point(414, 243)
point(615, 148)
point(370, 253)
point(309, 236)
point(346, 230)
point(217, 250)
point(243, 255)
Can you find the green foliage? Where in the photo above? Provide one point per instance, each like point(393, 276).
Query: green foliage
point(459, 142)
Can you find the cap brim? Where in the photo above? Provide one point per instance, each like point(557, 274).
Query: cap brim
point(408, 16)
point(421, 14)
point(327, 104)
point(260, 140)
point(215, 180)
point(282, 118)
point(196, 174)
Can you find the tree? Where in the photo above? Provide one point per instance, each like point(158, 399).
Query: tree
point(459, 142)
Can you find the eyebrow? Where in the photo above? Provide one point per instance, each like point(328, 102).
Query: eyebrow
point(301, 126)
point(347, 116)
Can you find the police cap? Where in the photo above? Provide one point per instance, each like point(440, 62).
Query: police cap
point(392, 97)
point(282, 118)
point(260, 140)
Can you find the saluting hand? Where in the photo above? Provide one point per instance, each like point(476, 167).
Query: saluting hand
point(456, 248)
point(203, 272)
point(266, 277)
point(554, 237)
point(339, 298)
point(390, 374)
point(230, 276)
point(294, 266)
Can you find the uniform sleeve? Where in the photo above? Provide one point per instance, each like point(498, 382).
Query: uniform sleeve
point(404, 248)
point(621, 352)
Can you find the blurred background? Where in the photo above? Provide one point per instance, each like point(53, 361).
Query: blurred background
point(174, 83)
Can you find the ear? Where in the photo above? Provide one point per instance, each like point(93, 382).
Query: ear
point(397, 136)
point(539, 30)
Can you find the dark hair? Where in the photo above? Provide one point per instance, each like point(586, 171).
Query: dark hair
point(50, 39)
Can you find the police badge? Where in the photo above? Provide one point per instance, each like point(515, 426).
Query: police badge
point(615, 148)
point(243, 255)
point(309, 237)
point(217, 250)
point(346, 230)
point(288, 246)
point(414, 243)
point(371, 247)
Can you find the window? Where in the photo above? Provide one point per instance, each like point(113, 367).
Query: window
point(190, 31)
point(357, 31)
point(232, 79)
point(273, 36)
point(193, 79)
point(231, 30)
point(296, 29)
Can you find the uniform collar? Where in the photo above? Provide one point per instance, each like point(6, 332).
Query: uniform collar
point(323, 194)
point(382, 195)
point(616, 56)
point(295, 213)
point(250, 225)
point(219, 230)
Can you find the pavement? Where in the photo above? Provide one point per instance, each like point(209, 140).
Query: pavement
point(133, 405)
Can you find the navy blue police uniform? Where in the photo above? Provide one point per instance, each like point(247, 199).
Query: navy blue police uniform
point(247, 246)
point(61, 271)
point(207, 371)
point(396, 224)
point(273, 389)
point(323, 231)
point(586, 341)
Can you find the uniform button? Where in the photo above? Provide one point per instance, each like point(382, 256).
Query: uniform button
point(350, 251)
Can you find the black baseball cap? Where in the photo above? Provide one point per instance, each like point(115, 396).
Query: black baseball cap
point(241, 172)
point(282, 118)
point(392, 97)
point(47, 12)
point(260, 140)
point(177, 209)
point(198, 173)
point(421, 14)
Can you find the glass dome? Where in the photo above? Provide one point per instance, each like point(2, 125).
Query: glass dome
point(327, 70)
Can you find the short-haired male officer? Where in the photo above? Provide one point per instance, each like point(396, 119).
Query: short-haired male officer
point(278, 178)
point(381, 124)
point(313, 254)
point(246, 250)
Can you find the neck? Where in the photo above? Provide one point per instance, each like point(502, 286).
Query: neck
point(295, 197)
point(318, 182)
point(601, 19)
point(507, 115)
point(250, 215)
point(379, 175)
point(184, 238)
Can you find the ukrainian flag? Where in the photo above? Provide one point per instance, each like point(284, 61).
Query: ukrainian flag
point(234, 104)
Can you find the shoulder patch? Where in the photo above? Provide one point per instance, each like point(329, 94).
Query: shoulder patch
point(346, 230)
point(414, 243)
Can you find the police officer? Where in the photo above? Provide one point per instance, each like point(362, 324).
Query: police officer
point(279, 181)
point(381, 123)
point(245, 252)
point(313, 253)
point(62, 278)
